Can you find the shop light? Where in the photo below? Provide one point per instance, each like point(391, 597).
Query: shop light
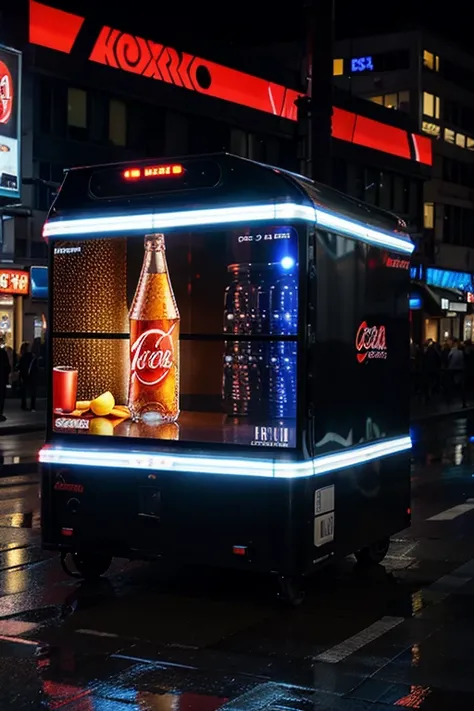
point(188, 464)
point(226, 215)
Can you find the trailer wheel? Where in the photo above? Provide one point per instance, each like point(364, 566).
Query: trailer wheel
point(373, 554)
point(291, 592)
point(91, 566)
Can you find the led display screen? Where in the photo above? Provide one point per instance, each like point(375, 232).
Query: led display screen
point(10, 133)
point(187, 336)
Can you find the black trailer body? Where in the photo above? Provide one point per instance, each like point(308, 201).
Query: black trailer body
point(292, 444)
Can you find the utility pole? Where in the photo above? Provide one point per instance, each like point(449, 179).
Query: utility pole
point(315, 109)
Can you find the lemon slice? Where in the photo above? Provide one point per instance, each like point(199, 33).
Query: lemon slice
point(103, 405)
point(101, 426)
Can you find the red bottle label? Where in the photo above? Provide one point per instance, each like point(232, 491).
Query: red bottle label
point(152, 355)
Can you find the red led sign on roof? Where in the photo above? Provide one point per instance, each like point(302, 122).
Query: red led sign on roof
point(174, 170)
point(56, 29)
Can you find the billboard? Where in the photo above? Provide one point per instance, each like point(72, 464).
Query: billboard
point(187, 336)
point(10, 123)
point(14, 281)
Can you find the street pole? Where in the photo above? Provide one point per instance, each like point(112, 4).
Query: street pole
point(315, 111)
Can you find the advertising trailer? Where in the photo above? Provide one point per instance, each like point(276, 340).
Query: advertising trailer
point(229, 370)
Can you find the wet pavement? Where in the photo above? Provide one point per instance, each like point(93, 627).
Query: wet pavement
point(18, 453)
point(144, 638)
point(16, 420)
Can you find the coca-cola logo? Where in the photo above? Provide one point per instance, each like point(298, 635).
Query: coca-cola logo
point(64, 486)
point(152, 356)
point(6, 93)
point(396, 263)
point(370, 342)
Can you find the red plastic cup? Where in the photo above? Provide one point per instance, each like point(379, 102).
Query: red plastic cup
point(64, 388)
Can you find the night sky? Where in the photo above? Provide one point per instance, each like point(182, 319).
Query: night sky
point(210, 24)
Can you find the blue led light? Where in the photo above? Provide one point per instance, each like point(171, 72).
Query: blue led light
point(207, 464)
point(140, 223)
point(287, 262)
point(362, 64)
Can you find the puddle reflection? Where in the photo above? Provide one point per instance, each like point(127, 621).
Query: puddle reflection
point(416, 697)
point(104, 696)
point(16, 520)
point(446, 444)
point(15, 581)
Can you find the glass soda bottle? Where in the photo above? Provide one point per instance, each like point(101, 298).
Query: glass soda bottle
point(154, 340)
point(241, 377)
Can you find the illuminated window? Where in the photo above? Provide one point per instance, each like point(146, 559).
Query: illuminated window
point(449, 135)
point(430, 61)
point(400, 100)
point(461, 140)
point(428, 215)
point(470, 144)
point(390, 101)
point(77, 108)
point(430, 105)
point(432, 128)
point(337, 67)
point(117, 122)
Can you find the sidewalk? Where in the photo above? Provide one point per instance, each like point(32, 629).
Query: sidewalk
point(420, 411)
point(19, 421)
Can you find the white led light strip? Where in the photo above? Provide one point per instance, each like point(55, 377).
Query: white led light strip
point(226, 215)
point(182, 463)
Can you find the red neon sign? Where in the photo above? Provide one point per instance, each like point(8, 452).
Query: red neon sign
point(58, 30)
point(174, 170)
point(370, 342)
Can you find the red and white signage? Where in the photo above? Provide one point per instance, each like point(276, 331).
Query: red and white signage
point(14, 281)
point(370, 342)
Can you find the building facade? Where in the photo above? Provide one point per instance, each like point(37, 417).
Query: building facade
point(432, 82)
point(96, 93)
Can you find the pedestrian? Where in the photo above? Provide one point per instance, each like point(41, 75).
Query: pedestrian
point(456, 366)
point(28, 370)
point(5, 370)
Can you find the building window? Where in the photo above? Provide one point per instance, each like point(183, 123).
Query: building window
point(430, 105)
point(77, 114)
point(403, 101)
point(461, 140)
point(118, 122)
point(397, 100)
point(337, 67)
point(470, 143)
point(432, 128)
point(428, 215)
point(77, 108)
point(390, 101)
point(449, 135)
point(430, 61)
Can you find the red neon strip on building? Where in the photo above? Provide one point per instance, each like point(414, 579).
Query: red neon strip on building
point(58, 30)
point(423, 149)
point(53, 28)
point(364, 131)
point(155, 61)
